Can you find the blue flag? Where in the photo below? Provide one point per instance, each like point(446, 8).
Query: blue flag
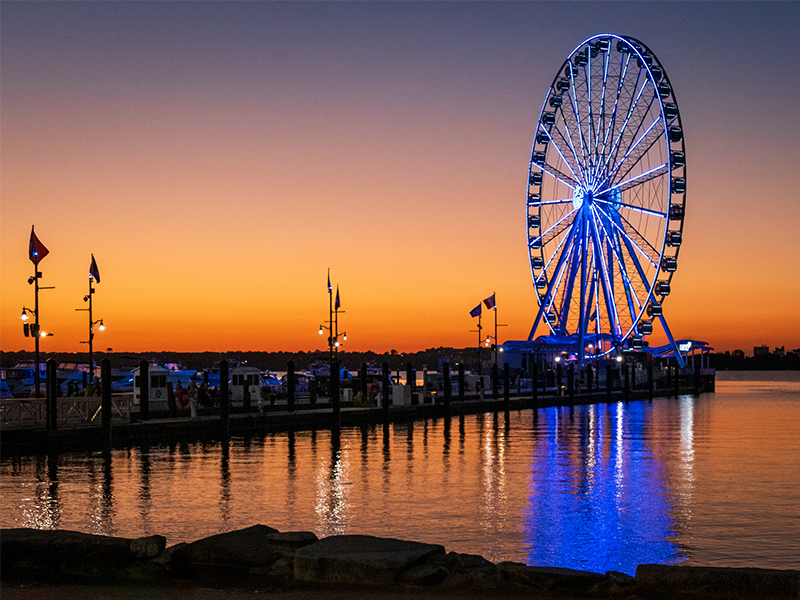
point(93, 272)
point(475, 311)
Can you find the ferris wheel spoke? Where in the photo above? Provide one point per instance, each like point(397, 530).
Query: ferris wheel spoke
point(613, 234)
point(646, 211)
point(558, 175)
point(605, 279)
point(601, 119)
point(554, 278)
point(568, 137)
point(654, 137)
point(638, 266)
point(567, 298)
point(574, 103)
point(558, 149)
point(634, 238)
point(587, 72)
point(640, 178)
point(554, 230)
point(630, 291)
point(613, 172)
point(609, 135)
point(620, 135)
point(533, 203)
point(555, 253)
point(645, 248)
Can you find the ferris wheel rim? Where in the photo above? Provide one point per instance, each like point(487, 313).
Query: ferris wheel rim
point(584, 179)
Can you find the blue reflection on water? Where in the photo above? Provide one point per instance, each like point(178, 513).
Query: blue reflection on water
point(598, 498)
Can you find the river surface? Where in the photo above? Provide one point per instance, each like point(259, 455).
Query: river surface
point(706, 480)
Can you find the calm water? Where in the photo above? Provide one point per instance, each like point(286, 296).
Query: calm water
point(709, 480)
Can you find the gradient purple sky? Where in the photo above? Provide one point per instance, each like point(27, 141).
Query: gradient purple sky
point(217, 158)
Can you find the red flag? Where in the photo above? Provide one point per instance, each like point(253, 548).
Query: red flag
point(489, 302)
point(36, 249)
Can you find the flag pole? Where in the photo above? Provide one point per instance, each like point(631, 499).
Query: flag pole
point(496, 341)
point(480, 364)
point(36, 276)
point(330, 316)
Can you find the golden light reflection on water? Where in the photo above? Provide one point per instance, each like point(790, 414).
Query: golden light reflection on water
point(510, 487)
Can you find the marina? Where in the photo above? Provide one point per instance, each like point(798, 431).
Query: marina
point(597, 487)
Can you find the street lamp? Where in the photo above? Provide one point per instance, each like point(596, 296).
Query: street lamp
point(333, 321)
point(93, 275)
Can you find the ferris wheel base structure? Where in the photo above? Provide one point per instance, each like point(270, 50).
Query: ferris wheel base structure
point(606, 199)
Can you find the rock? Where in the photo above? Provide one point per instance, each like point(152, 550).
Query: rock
point(235, 550)
point(76, 554)
point(287, 544)
point(545, 578)
point(721, 581)
point(148, 547)
point(55, 545)
point(423, 575)
point(360, 559)
point(467, 569)
point(618, 577)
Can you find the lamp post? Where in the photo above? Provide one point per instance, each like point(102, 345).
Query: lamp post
point(480, 342)
point(333, 322)
point(92, 323)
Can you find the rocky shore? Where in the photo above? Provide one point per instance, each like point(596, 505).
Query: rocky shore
point(260, 559)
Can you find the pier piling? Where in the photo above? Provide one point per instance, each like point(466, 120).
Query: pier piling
point(337, 402)
point(506, 388)
point(144, 390)
point(51, 410)
point(571, 383)
point(224, 412)
point(448, 390)
point(291, 384)
point(105, 412)
point(386, 385)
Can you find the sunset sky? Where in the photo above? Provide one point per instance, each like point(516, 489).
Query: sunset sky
point(218, 158)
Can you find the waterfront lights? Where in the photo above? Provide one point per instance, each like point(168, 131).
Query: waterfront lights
point(320, 330)
point(24, 316)
point(619, 358)
point(344, 337)
point(558, 359)
point(101, 327)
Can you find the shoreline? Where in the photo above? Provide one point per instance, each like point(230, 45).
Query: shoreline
point(263, 560)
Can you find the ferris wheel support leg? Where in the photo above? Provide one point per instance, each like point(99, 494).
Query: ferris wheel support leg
point(536, 321)
point(675, 348)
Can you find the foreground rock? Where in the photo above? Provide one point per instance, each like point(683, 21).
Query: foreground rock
point(721, 582)
point(360, 559)
point(264, 558)
point(80, 554)
point(257, 550)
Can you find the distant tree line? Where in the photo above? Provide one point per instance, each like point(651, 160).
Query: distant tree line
point(274, 361)
point(431, 358)
point(773, 361)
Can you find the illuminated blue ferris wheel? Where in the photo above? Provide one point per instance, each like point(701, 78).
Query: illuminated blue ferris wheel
point(606, 197)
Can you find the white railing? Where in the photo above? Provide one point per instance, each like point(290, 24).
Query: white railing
point(17, 413)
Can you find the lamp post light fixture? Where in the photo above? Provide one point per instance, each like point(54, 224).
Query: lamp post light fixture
point(92, 322)
point(333, 321)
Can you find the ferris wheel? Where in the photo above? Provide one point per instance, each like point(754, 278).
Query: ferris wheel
point(606, 197)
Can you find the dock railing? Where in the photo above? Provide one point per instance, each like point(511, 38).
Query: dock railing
point(23, 413)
